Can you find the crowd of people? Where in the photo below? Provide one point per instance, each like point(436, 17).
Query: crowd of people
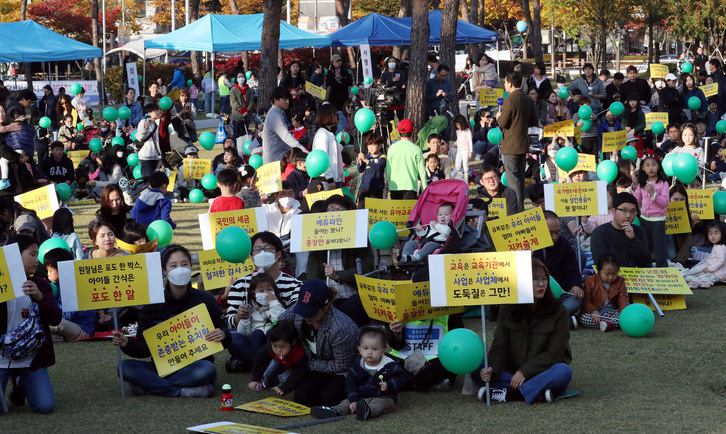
point(297, 323)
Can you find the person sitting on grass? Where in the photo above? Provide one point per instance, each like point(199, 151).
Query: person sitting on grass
point(264, 309)
point(75, 326)
point(227, 180)
point(153, 204)
point(711, 269)
point(605, 296)
point(192, 381)
point(372, 383)
point(282, 364)
point(620, 237)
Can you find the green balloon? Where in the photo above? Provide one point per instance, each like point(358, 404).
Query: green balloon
point(189, 83)
point(160, 230)
point(563, 93)
point(617, 108)
point(51, 244)
point(79, 126)
point(233, 244)
point(132, 136)
point(504, 180)
point(629, 153)
point(248, 74)
point(165, 103)
point(719, 202)
point(316, 163)
point(584, 112)
point(364, 119)
point(368, 80)
point(687, 67)
point(721, 126)
point(667, 164)
point(685, 168)
point(63, 191)
point(566, 158)
point(658, 128)
point(607, 170)
point(637, 320)
point(461, 351)
point(354, 90)
point(343, 137)
point(472, 122)
point(555, 287)
point(95, 145)
point(247, 147)
point(209, 181)
point(636, 221)
point(132, 160)
point(137, 172)
point(383, 235)
point(118, 141)
point(44, 122)
point(196, 196)
point(694, 103)
point(207, 139)
point(75, 89)
point(495, 135)
point(586, 125)
point(256, 161)
point(110, 114)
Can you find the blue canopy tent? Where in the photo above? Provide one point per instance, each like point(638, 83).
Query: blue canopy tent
point(28, 41)
point(466, 33)
point(374, 30)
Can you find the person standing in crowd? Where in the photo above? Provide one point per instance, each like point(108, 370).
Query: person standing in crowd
point(439, 92)
point(224, 87)
point(276, 138)
point(137, 112)
point(716, 73)
point(208, 87)
point(338, 82)
point(405, 168)
point(635, 87)
point(178, 81)
point(539, 82)
point(48, 105)
point(591, 87)
point(147, 135)
point(240, 99)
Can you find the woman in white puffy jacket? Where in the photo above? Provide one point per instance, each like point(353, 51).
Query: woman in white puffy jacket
point(324, 140)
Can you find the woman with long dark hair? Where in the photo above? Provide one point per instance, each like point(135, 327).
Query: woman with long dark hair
point(114, 210)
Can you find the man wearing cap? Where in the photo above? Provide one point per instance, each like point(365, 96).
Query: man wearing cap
point(405, 167)
point(620, 237)
point(276, 138)
point(329, 338)
point(670, 99)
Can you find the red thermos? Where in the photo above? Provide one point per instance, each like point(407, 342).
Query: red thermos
point(227, 398)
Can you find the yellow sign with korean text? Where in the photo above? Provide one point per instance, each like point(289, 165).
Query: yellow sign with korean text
point(316, 91)
point(413, 302)
point(661, 281)
point(118, 281)
point(391, 210)
point(562, 128)
point(196, 168)
point(77, 156)
point(269, 178)
point(677, 221)
point(710, 89)
point(311, 198)
point(137, 248)
point(666, 302)
point(218, 273)
point(497, 208)
point(576, 199)
point(658, 71)
point(701, 203)
point(276, 407)
point(526, 230)
point(252, 220)
point(329, 231)
point(234, 428)
point(488, 96)
point(180, 341)
point(12, 273)
point(43, 201)
point(613, 141)
point(652, 117)
point(172, 179)
point(585, 162)
point(473, 279)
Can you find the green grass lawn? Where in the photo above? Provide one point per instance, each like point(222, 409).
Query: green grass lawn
point(671, 381)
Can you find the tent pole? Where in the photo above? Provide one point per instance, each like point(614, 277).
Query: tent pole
point(143, 88)
point(211, 55)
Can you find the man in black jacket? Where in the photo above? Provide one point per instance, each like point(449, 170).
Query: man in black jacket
point(57, 166)
point(636, 86)
point(670, 100)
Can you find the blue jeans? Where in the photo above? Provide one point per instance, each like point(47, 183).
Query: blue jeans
point(275, 374)
point(570, 303)
point(245, 348)
point(481, 147)
point(142, 374)
point(556, 378)
point(224, 104)
point(208, 99)
point(37, 387)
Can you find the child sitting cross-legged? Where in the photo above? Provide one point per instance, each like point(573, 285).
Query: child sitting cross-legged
point(605, 296)
point(282, 364)
point(429, 238)
point(372, 383)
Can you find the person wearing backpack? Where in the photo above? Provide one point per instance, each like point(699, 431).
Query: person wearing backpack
point(147, 136)
point(26, 344)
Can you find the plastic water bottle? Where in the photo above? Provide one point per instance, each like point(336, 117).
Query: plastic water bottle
point(227, 399)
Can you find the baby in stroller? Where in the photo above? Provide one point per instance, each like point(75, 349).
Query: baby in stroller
point(431, 237)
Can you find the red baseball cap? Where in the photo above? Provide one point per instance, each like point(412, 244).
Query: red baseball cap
point(405, 126)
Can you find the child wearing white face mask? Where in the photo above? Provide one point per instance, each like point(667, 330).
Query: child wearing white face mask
point(264, 309)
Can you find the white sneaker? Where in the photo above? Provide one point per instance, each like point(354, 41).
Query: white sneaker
point(549, 396)
point(442, 386)
point(498, 395)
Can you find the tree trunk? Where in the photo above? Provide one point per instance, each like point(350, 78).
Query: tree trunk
point(470, 15)
point(195, 55)
point(268, 53)
point(404, 10)
point(530, 25)
point(449, 21)
point(416, 93)
point(603, 46)
point(341, 11)
point(435, 4)
point(536, 32)
point(94, 37)
point(26, 66)
point(233, 7)
point(650, 41)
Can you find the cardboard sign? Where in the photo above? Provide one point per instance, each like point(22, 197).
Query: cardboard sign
point(196, 168)
point(172, 179)
point(522, 231)
point(613, 141)
point(391, 210)
point(710, 89)
point(218, 273)
point(77, 156)
point(653, 117)
point(180, 341)
point(12, 273)
point(474, 279)
point(398, 300)
point(252, 220)
point(233, 428)
point(488, 96)
point(269, 178)
point(666, 302)
point(92, 284)
point(562, 128)
point(701, 203)
point(316, 91)
point(311, 198)
point(658, 71)
point(585, 162)
point(661, 281)
point(43, 201)
point(329, 231)
point(576, 199)
point(276, 407)
point(497, 208)
point(677, 221)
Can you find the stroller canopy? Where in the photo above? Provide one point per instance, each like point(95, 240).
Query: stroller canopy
point(454, 191)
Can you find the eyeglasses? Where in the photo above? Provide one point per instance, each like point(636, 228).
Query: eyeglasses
point(268, 249)
point(489, 178)
point(628, 211)
point(540, 280)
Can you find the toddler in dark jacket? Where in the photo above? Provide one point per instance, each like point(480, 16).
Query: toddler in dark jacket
point(282, 363)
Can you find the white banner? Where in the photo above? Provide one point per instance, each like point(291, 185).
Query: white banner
point(365, 58)
point(90, 86)
point(132, 77)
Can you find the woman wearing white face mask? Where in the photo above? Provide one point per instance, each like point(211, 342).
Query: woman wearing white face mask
point(195, 380)
point(267, 255)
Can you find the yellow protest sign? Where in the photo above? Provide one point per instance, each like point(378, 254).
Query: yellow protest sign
point(316, 91)
point(677, 221)
point(269, 178)
point(666, 302)
point(276, 407)
point(473, 279)
point(196, 168)
point(562, 128)
point(522, 231)
point(329, 230)
point(252, 220)
point(218, 273)
point(180, 341)
point(136, 248)
point(394, 136)
point(710, 89)
point(652, 117)
point(658, 71)
point(12, 273)
point(378, 297)
point(118, 281)
point(701, 203)
point(311, 198)
point(77, 156)
point(613, 141)
point(43, 201)
point(488, 96)
point(575, 199)
point(585, 162)
point(660, 281)
point(233, 428)
point(497, 208)
point(391, 210)
point(172, 179)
